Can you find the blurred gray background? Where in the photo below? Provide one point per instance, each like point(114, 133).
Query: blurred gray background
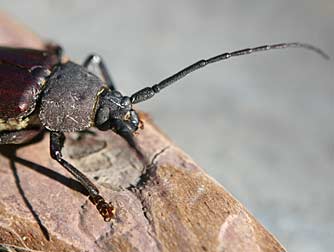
point(261, 125)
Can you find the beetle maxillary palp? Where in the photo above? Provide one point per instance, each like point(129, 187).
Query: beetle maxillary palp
point(106, 210)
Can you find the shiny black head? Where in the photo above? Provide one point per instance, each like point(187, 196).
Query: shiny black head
point(115, 112)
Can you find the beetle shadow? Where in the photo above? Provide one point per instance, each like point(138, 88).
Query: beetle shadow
point(9, 151)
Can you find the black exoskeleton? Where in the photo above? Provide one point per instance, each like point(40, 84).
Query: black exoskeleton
point(38, 91)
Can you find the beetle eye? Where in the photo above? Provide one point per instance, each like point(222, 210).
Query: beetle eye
point(102, 115)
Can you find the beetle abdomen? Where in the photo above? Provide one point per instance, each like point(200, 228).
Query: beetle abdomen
point(28, 58)
point(69, 99)
point(18, 91)
point(22, 75)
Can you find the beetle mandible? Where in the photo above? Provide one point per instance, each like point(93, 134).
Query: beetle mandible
point(38, 91)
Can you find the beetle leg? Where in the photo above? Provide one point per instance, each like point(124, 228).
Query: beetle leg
point(57, 49)
point(107, 210)
point(97, 60)
point(59, 52)
point(123, 130)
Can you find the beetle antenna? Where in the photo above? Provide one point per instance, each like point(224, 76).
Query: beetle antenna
point(148, 92)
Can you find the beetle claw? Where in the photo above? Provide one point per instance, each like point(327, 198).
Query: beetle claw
point(141, 125)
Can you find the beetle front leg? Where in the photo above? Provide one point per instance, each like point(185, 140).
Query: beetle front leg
point(107, 210)
point(95, 59)
point(127, 134)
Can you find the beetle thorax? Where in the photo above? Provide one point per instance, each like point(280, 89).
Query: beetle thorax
point(69, 99)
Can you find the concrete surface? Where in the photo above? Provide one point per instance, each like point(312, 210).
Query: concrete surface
point(262, 125)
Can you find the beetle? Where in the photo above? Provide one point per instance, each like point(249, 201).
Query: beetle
point(41, 91)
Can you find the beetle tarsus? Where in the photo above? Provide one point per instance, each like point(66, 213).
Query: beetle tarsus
point(107, 210)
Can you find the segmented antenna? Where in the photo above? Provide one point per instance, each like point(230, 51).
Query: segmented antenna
point(148, 92)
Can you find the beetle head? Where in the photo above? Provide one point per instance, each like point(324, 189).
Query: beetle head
point(115, 112)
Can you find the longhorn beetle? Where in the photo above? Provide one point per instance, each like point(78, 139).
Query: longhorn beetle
point(39, 91)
